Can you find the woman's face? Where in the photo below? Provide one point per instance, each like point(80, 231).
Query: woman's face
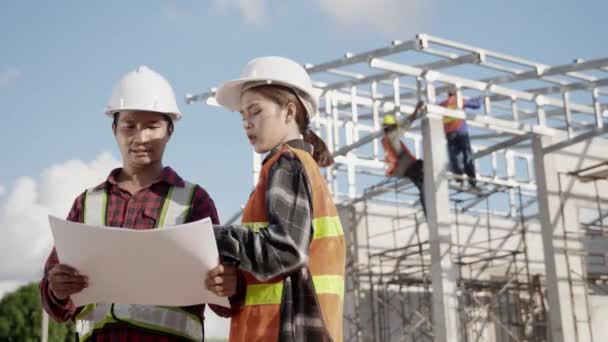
point(265, 122)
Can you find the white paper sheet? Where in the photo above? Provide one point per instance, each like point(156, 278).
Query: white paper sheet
point(165, 266)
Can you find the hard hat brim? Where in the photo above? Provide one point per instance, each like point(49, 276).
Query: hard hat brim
point(173, 116)
point(228, 94)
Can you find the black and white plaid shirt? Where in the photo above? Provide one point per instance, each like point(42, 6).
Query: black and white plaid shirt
point(282, 249)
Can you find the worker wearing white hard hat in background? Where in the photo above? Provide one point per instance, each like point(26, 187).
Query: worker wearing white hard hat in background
point(141, 195)
point(290, 246)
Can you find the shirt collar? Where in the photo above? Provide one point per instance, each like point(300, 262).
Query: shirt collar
point(300, 144)
point(167, 176)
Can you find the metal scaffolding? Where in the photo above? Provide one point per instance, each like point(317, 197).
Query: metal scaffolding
point(411, 278)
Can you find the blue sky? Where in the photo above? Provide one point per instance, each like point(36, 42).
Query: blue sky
point(59, 60)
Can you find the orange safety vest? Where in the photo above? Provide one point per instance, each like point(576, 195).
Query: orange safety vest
point(258, 319)
point(451, 124)
point(391, 157)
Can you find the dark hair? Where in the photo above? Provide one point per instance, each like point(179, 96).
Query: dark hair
point(389, 128)
point(166, 117)
point(282, 96)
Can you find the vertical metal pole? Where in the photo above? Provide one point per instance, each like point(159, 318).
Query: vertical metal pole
point(487, 103)
point(355, 112)
point(44, 329)
point(510, 176)
point(599, 120)
point(566, 98)
point(350, 166)
point(329, 173)
point(335, 120)
point(397, 98)
point(540, 109)
point(459, 99)
point(375, 116)
point(514, 109)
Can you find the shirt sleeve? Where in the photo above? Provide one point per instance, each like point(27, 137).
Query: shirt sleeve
point(283, 246)
point(474, 103)
point(202, 207)
point(60, 310)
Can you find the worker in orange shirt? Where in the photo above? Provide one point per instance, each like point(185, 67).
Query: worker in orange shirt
point(400, 161)
point(457, 136)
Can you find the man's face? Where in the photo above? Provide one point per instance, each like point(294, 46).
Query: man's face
point(141, 137)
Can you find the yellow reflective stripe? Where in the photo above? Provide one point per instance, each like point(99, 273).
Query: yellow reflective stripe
point(329, 284)
point(255, 226)
point(96, 326)
point(327, 226)
point(87, 309)
point(104, 208)
point(183, 312)
point(159, 328)
point(261, 294)
point(163, 214)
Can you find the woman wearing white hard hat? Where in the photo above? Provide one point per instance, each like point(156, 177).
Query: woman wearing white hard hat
point(290, 246)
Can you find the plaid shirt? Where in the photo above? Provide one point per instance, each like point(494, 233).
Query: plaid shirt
point(138, 211)
point(281, 250)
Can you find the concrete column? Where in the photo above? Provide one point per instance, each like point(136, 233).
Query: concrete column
point(444, 271)
point(568, 316)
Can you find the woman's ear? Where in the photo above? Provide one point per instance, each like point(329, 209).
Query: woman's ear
point(291, 112)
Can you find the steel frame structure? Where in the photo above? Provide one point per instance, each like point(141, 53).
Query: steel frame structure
point(525, 104)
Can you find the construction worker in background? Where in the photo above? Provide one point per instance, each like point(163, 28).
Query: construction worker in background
point(144, 109)
point(400, 161)
point(457, 135)
point(290, 246)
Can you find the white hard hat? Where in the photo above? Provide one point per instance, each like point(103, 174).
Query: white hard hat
point(272, 70)
point(143, 90)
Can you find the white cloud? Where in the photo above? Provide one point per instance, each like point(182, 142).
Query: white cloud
point(8, 75)
point(397, 18)
point(26, 238)
point(394, 18)
point(2, 190)
point(253, 11)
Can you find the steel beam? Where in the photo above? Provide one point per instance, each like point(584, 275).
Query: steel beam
point(576, 139)
point(502, 145)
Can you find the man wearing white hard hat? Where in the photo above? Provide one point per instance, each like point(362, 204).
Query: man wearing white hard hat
point(290, 245)
point(143, 194)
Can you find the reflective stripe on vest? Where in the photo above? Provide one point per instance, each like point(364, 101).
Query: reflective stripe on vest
point(323, 226)
point(169, 320)
point(174, 211)
point(174, 321)
point(263, 294)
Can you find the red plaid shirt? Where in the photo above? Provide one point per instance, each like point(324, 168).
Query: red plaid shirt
point(138, 211)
